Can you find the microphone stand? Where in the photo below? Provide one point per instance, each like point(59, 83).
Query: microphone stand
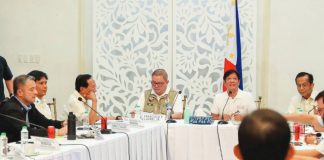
point(170, 120)
point(103, 130)
point(222, 118)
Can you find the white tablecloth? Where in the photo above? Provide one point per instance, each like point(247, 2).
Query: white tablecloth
point(192, 142)
point(146, 143)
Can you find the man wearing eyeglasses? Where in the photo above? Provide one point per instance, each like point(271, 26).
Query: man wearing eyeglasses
point(154, 100)
point(318, 152)
point(315, 120)
point(305, 100)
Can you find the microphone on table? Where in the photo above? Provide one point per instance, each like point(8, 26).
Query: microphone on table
point(222, 117)
point(170, 108)
point(103, 130)
point(41, 133)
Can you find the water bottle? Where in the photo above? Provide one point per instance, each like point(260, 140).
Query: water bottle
point(3, 145)
point(23, 137)
point(85, 120)
point(138, 112)
point(187, 115)
point(71, 135)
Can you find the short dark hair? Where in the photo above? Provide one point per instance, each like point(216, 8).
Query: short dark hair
point(82, 81)
point(319, 96)
point(21, 80)
point(302, 74)
point(265, 135)
point(38, 74)
point(229, 72)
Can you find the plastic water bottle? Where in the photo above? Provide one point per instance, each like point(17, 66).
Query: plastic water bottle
point(138, 112)
point(23, 137)
point(85, 120)
point(3, 145)
point(187, 115)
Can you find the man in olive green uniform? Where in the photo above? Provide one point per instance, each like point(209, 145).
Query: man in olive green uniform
point(154, 100)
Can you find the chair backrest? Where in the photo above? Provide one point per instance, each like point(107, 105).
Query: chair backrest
point(258, 102)
point(52, 106)
point(184, 102)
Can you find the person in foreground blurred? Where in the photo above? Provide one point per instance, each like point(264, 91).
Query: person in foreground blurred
point(233, 102)
point(265, 135)
point(154, 100)
point(21, 106)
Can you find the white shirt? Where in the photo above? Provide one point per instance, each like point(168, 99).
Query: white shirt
point(43, 108)
point(320, 147)
point(177, 108)
point(305, 105)
point(242, 102)
point(77, 107)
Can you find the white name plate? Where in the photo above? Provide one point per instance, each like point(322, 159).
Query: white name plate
point(118, 125)
point(45, 143)
point(152, 117)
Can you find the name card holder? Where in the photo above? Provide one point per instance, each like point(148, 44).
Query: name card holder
point(45, 143)
point(152, 117)
point(118, 125)
point(201, 120)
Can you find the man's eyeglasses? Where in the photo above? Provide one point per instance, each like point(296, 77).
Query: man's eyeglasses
point(317, 109)
point(159, 84)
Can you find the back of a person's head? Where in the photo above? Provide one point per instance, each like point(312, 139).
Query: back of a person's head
point(264, 135)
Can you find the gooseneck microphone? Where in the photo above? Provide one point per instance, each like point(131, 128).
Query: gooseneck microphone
point(170, 120)
point(222, 117)
point(103, 131)
point(22, 121)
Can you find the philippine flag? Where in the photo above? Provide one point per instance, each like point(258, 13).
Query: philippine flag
point(233, 59)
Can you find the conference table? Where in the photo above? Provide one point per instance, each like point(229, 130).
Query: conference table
point(145, 143)
point(153, 141)
point(190, 142)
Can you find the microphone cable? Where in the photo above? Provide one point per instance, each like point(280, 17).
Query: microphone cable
point(78, 145)
point(129, 157)
point(219, 143)
point(167, 142)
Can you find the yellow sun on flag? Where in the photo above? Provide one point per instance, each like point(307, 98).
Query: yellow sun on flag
point(231, 56)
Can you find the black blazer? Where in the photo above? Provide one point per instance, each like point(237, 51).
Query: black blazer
point(12, 127)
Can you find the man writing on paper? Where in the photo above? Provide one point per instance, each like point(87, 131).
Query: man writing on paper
point(154, 100)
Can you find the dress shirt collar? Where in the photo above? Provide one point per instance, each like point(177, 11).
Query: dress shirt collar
point(77, 95)
point(27, 108)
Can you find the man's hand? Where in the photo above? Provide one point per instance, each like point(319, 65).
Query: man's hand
point(226, 117)
point(92, 96)
point(238, 117)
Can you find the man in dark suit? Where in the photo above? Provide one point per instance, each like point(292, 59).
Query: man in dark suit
point(6, 75)
point(21, 106)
